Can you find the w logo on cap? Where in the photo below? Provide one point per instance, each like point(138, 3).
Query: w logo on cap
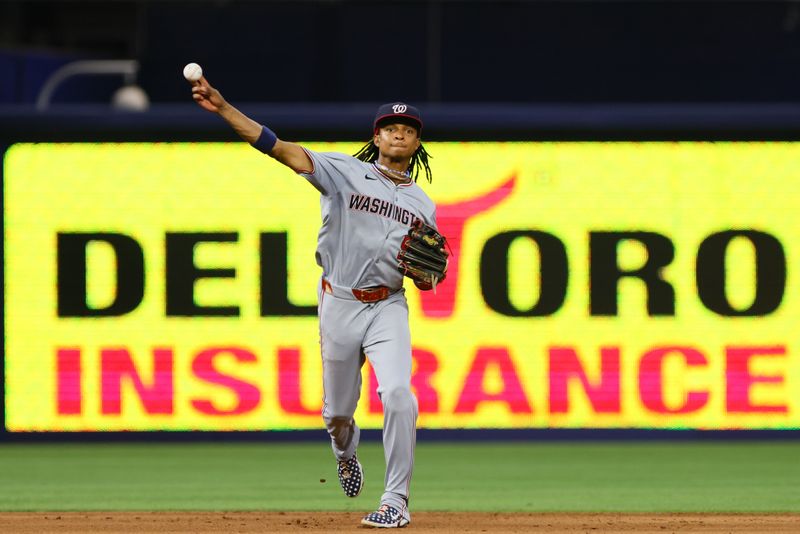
point(398, 111)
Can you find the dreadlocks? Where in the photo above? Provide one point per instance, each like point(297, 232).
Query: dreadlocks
point(369, 153)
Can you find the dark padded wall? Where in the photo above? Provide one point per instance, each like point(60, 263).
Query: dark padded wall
point(449, 51)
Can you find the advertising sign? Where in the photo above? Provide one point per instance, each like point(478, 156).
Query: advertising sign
point(173, 286)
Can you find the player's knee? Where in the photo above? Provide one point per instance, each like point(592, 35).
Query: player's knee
point(337, 421)
point(399, 399)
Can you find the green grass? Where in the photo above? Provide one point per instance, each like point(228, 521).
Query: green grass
point(625, 477)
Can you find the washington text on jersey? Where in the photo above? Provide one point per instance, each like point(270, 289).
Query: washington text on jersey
point(382, 208)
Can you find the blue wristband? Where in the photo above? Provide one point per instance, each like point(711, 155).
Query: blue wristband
point(266, 141)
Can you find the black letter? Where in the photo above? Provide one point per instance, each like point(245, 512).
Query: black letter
point(553, 273)
point(71, 274)
point(605, 272)
point(770, 273)
point(182, 274)
point(274, 278)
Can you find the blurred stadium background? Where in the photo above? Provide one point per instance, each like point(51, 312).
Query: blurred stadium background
point(621, 180)
point(446, 51)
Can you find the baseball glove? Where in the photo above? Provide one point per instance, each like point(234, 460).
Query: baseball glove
point(423, 256)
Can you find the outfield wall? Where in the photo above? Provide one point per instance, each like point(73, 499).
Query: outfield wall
point(595, 284)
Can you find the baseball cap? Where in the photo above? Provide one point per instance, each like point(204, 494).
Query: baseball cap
point(400, 111)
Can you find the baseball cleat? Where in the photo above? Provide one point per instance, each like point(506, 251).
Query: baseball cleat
point(351, 476)
point(385, 517)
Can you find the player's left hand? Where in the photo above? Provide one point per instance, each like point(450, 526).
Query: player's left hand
point(423, 256)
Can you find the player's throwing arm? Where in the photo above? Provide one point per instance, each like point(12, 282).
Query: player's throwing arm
point(260, 137)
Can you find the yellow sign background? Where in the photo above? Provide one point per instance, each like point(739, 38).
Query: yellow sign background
point(685, 191)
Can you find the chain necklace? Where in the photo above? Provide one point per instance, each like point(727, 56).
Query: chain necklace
point(403, 175)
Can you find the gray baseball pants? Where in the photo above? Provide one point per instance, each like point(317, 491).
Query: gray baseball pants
point(349, 331)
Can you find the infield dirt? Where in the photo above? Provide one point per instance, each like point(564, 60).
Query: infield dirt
point(439, 522)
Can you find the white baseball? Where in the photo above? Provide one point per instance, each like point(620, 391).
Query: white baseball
point(192, 72)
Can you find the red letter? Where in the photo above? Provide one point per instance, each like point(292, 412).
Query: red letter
point(565, 365)
point(116, 363)
point(474, 393)
point(450, 219)
point(425, 364)
point(68, 378)
point(740, 380)
point(289, 383)
point(651, 385)
point(203, 367)
point(375, 405)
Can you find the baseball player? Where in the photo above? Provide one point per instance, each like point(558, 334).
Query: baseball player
point(369, 202)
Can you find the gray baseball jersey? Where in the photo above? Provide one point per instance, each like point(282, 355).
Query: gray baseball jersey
point(364, 218)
